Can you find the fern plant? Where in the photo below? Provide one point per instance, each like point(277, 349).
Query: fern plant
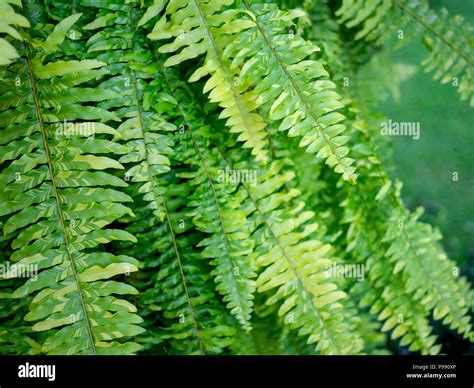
point(189, 177)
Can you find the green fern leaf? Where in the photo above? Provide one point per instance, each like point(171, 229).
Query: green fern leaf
point(56, 232)
point(200, 30)
point(293, 86)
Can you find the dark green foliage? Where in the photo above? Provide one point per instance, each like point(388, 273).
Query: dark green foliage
point(229, 171)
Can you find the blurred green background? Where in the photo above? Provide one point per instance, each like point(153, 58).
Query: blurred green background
point(446, 145)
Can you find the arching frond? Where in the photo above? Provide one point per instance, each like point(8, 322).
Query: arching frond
point(449, 39)
point(294, 266)
point(55, 177)
point(229, 244)
point(294, 88)
point(181, 290)
point(198, 28)
point(136, 219)
point(133, 77)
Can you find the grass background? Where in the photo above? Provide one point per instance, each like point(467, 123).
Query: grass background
point(426, 166)
point(446, 145)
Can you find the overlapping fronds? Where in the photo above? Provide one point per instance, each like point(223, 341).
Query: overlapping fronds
point(272, 220)
point(145, 222)
point(386, 296)
point(449, 39)
point(294, 88)
point(59, 196)
point(229, 245)
point(385, 237)
point(133, 73)
point(187, 303)
point(199, 28)
point(397, 250)
point(293, 266)
point(178, 301)
point(10, 21)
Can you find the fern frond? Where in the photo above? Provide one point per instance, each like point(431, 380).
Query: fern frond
point(133, 74)
point(449, 39)
point(215, 213)
point(397, 250)
point(294, 266)
point(50, 206)
point(10, 19)
point(414, 248)
point(294, 88)
point(178, 297)
point(150, 116)
point(385, 294)
point(199, 28)
point(377, 199)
